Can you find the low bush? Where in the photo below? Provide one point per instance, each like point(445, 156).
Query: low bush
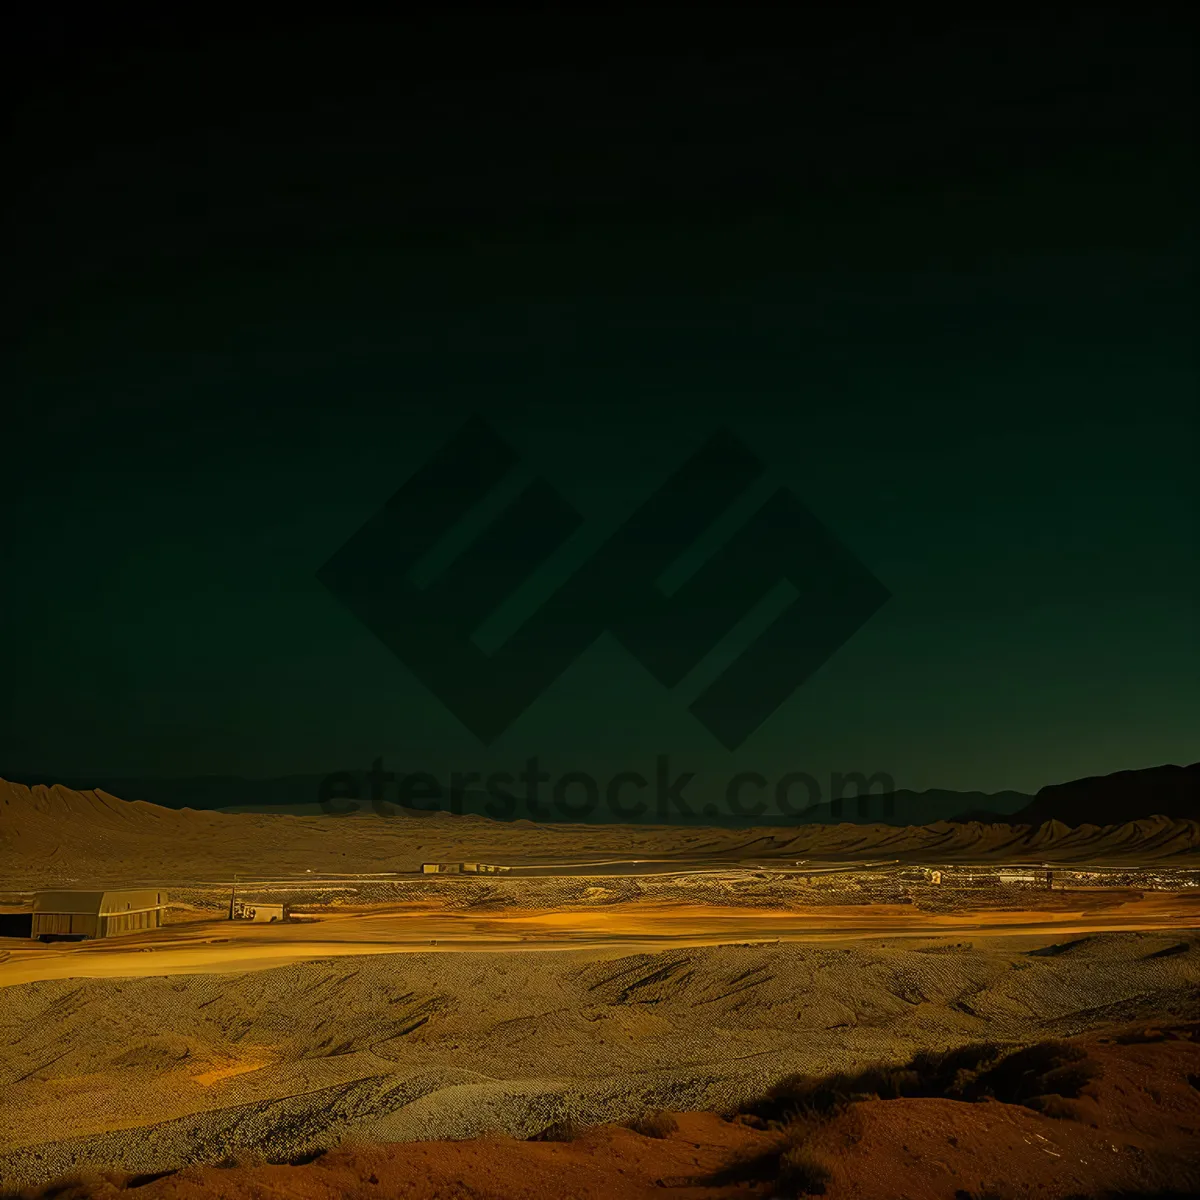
point(1055, 1106)
point(566, 1130)
point(974, 1072)
point(1046, 1068)
point(656, 1124)
point(800, 1173)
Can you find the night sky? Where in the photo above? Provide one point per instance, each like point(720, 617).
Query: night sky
point(939, 278)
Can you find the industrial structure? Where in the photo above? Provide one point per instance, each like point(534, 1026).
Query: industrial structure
point(985, 876)
point(95, 914)
point(259, 913)
point(466, 868)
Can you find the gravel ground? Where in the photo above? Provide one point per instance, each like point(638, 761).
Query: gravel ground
point(417, 1046)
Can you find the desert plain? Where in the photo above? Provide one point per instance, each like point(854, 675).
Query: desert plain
point(523, 1034)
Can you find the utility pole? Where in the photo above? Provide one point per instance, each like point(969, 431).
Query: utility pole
point(233, 897)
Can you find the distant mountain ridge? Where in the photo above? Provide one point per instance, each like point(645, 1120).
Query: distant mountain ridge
point(202, 793)
point(55, 836)
point(1169, 791)
point(298, 795)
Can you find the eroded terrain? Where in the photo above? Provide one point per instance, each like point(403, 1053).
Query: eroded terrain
point(151, 1073)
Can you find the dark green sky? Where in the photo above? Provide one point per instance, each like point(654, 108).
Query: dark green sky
point(941, 280)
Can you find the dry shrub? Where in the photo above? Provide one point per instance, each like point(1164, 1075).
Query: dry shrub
point(656, 1124)
point(788, 1165)
point(749, 1120)
point(1042, 1069)
point(800, 1173)
point(243, 1159)
point(1138, 1037)
point(748, 1167)
point(974, 1072)
point(304, 1157)
point(949, 1072)
point(85, 1184)
point(566, 1130)
point(1187, 1031)
point(1057, 1107)
point(802, 1096)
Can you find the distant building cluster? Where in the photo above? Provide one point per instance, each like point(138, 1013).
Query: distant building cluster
point(462, 868)
point(982, 877)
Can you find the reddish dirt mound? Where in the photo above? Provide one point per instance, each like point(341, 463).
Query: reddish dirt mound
point(1136, 1127)
point(599, 1164)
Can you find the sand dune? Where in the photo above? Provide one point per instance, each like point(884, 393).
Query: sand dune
point(50, 834)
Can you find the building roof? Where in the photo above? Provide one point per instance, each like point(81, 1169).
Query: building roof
point(96, 902)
